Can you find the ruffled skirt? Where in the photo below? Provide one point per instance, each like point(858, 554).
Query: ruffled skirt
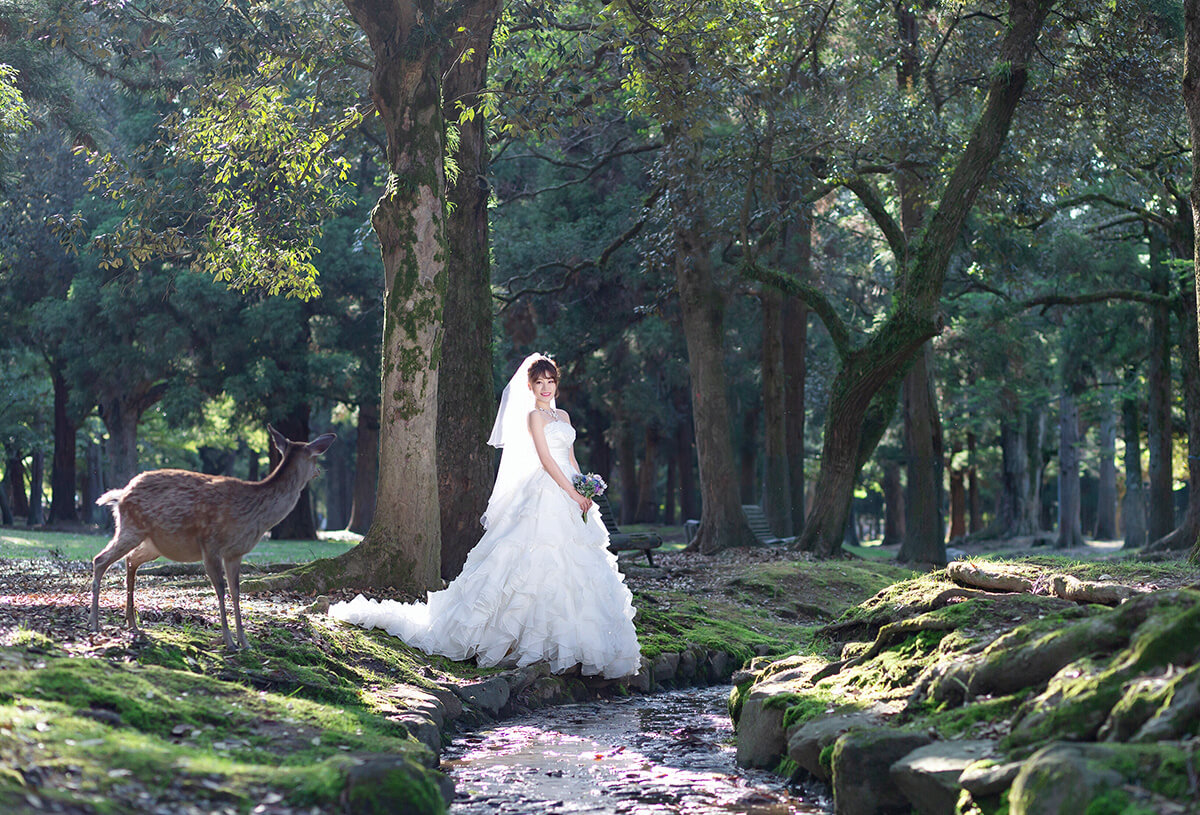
point(539, 586)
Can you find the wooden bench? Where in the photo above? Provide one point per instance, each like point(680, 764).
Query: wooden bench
point(757, 520)
point(619, 541)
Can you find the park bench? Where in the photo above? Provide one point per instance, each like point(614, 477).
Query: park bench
point(757, 520)
point(619, 541)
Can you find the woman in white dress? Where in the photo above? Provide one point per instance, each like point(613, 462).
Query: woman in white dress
point(541, 584)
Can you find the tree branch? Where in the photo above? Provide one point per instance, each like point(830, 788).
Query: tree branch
point(813, 297)
point(873, 201)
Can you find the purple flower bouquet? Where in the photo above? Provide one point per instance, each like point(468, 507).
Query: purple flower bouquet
point(589, 485)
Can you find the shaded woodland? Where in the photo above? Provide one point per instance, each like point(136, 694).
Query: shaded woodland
point(916, 273)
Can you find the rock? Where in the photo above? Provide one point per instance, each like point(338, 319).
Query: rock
point(548, 690)
point(643, 679)
point(490, 695)
point(929, 775)
point(411, 699)
point(665, 666)
point(687, 665)
point(382, 785)
point(421, 727)
point(806, 741)
point(719, 664)
point(760, 737)
point(319, 606)
point(1062, 778)
point(988, 779)
point(742, 675)
point(861, 760)
point(451, 704)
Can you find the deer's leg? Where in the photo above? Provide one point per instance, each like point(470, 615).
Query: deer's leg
point(233, 571)
point(212, 565)
point(144, 553)
point(123, 542)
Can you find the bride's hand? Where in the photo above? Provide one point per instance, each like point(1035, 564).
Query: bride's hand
point(584, 503)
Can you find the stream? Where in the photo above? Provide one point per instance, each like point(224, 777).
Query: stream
point(658, 754)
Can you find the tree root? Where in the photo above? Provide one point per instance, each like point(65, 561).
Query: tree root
point(888, 636)
point(972, 574)
point(1067, 587)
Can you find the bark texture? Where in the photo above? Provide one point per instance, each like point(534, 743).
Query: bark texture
point(1191, 99)
point(1161, 511)
point(1106, 491)
point(62, 469)
point(777, 491)
point(1133, 505)
point(366, 468)
point(863, 391)
point(924, 541)
point(1070, 531)
point(466, 399)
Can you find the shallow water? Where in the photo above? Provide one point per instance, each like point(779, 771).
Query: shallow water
point(648, 755)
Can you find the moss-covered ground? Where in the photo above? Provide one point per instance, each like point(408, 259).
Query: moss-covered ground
point(1022, 669)
point(169, 721)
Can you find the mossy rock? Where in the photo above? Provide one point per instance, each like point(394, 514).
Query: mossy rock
point(388, 784)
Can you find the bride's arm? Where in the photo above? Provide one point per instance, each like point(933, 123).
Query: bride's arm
point(537, 429)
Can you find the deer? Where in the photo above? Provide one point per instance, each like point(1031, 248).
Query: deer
point(189, 517)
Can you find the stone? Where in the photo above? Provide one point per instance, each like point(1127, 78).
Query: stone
point(548, 690)
point(929, 775)
point(985, 779)
point(665, 666)
point(719, 665)
point(490, 694)
point(451, 704)
point(421, 727)
point(643, 679)
point(687, 665)
point(806, 741)
point(381, 785)
point(760, 737)
point(861, 760)
point(408, 698)
point(1062, 777)
point(319, 606)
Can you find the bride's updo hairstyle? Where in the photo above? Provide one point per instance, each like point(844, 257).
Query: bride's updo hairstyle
point(543, 368)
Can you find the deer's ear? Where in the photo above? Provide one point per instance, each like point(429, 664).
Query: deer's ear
point(321, 443)
point(280, 440)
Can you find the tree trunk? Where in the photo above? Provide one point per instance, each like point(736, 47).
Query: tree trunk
point(93, 484)
point(62, 468)
point(36, 516)
point(466, 398)
point(627, 467)
point(958, 495)
point(722, 523)
point(777, 491)
point(1191, 99)
point(1162, 499)
point(689, 506)
point(1070, 532)
point(893, 503)
point(402, 549)
point(366, 468)
point(795, 347)
point(1018, 504)
point(669, 500)
point(924, 539)
point(14, 481)
point(748, 458)
point(300, 523)
point(868, 372)
point(1106, 491)
point(121, 420)
point(6, 515)
point(1133, 505)
point(646, 511)
point(973, 484)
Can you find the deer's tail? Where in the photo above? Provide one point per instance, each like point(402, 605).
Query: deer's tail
point(110, 497)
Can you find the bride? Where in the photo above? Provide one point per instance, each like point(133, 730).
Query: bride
point(541, 584)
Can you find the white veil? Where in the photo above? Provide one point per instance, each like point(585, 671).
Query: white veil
point(510, 433)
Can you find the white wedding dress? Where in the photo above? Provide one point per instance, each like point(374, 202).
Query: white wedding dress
point(539, 586)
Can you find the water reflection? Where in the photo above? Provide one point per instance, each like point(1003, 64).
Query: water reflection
point(650, 755)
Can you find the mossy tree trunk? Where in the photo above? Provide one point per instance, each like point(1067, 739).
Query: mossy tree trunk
point(1070, 532)
point(924, 541)
point(466, 399)
point(1191, 99)
point(1106, 491)
point(402, 549)
point(777, 492)
point(864, 390)
point(366, 468)
point(1161, 516)
point(795, 348)
point(701, 306)
point(62, 468)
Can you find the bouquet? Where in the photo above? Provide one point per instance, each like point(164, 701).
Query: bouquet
point(590, 486)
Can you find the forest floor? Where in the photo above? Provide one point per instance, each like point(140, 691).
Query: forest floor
point(168, 721)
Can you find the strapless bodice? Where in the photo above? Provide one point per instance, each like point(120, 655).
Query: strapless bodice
point(559, 438)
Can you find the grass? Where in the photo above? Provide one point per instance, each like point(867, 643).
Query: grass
point(16, 544)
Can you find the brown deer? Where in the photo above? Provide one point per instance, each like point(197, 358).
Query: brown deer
point(215, 519)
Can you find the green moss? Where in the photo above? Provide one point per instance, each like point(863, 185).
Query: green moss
point(406, 788)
